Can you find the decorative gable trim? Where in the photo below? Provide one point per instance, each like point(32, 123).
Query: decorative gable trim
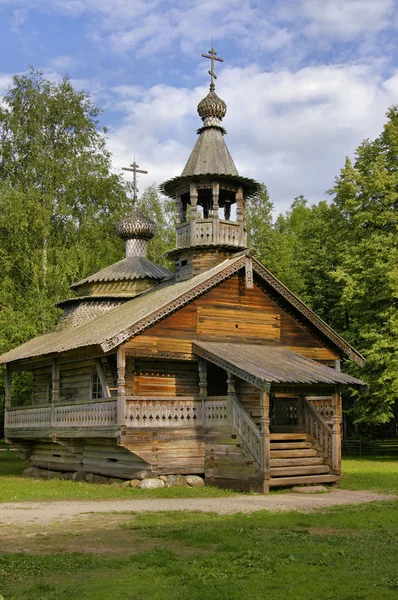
point(173, 306)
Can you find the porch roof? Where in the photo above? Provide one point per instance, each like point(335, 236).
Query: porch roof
point(259, 364)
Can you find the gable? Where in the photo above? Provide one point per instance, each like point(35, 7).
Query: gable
point(228, 312)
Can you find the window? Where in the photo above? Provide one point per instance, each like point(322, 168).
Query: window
point(96, 387)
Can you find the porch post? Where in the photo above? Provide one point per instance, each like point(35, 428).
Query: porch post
point(202, 364)
point(231, 393)
point(8, 387)
point(216, 218)
point(336, 431)
point(265, 436)
point(193, 195)
point(121, 386)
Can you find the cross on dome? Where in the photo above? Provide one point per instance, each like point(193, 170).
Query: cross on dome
point(213, 56)
point(135, 169)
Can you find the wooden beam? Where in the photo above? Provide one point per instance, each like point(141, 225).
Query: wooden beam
point(336, 431)
point(102, 378)
point(265, 437)
point(202, 365)
point(121, 386)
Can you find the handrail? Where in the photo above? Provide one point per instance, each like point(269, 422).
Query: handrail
point(246, 428)
point(318, 429)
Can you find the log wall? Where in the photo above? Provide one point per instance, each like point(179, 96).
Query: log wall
point(169, 451)
point(75, 380)
point(92, 455)
point(229, 312)
point(228, 463)
point(148, 377)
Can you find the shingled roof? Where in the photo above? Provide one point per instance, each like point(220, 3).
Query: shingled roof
point(210, 154)
point(134, 316)
point(130, 268)
point(261, 365)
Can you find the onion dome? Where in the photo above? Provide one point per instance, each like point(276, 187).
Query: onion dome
point(212, 109)
point(136, 226)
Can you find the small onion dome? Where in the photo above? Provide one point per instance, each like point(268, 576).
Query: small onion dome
point(136, 226)
point(212, 109)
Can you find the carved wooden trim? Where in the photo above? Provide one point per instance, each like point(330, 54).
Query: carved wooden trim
point(316, 321)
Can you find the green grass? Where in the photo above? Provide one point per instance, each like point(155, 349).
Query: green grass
point(344, 554)
point(377, 474)
point(14, 487)
point(371, 473)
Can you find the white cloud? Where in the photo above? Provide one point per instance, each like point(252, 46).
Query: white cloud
point(346, 18)
point(290, 130)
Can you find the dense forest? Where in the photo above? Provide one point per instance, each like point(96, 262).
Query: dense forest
point(60, 200)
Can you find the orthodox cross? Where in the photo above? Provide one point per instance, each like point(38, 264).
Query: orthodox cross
point(135, 169)
point(213, 56)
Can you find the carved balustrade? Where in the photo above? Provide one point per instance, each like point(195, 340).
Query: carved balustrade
point(247, 429)
point(94, 413)
point(151, 411)
point(229, 233)
point(324, 406)
point(318, 429)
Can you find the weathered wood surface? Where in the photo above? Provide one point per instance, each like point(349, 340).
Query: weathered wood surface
point(54, 417)
point(237, 314)
point(97, 455)
point(168, 451)
point(227, 457)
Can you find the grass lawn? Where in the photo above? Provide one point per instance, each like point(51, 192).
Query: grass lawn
point(344, 553)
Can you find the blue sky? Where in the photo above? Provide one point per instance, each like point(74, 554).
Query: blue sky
point(305, 81)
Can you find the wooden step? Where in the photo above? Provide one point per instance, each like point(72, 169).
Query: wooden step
point(303, 480)
point(299, 436)
point(299, 452)
point(289, 445)
point(295, 462)
point(300, 470)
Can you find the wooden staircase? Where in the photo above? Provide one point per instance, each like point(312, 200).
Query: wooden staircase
point(294, 460)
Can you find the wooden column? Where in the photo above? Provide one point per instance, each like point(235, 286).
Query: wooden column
point(336, 431)
point(193, 194)
point(265, 436)
point(121, 386)
point(8, 387)
point(241, 216)
point(231, 392)
point(178, 210)
point(203, 387)
point(216, 218)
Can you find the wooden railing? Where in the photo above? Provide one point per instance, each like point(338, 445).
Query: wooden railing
point(28, 417)
point(324, 406)
point(216, 411)
point(247, 429)
point(153, 411)
point(204, 231)
point(94, 413)
point(318, 429)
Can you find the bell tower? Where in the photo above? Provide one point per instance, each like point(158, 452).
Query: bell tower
point(210, 195)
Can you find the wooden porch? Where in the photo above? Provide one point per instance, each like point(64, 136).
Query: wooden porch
point(212, 435)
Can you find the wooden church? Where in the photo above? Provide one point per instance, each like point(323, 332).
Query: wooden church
point(216, 370)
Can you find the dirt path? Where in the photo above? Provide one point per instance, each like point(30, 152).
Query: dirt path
point(44, 513)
